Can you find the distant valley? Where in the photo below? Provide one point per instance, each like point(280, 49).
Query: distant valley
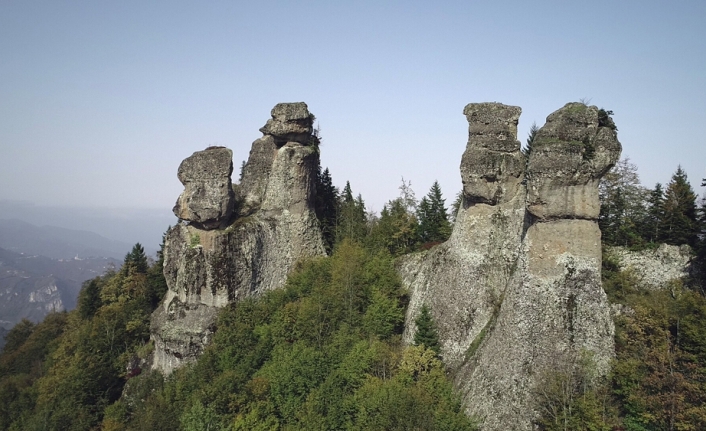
point(42, 268)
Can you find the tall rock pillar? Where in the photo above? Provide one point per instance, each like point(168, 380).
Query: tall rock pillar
point(464, 279)
point(516, 291)
point(235, 242)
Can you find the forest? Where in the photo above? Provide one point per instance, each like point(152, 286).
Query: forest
point(326, 351)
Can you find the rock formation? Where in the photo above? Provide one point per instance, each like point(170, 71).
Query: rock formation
point(207, 200)
point(231, 245)
point(658, 268)
point(516, 290)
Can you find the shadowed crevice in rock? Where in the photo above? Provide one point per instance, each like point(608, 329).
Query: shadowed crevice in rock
point(229, 256)
point(516, 290)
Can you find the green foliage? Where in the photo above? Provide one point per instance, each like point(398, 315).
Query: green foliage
point(323, 353)
point(622, 206)
point(351, 217)
point(527, 149)
point(326, 207)
point(136, 260)
point(605, 119)
point(658, 375)
point(65, 371)
point(18, 335)
point(89, 299)
point(426, 334)
point(434, 225)
point(635, 217)
point(678, 225)
point(397, 228)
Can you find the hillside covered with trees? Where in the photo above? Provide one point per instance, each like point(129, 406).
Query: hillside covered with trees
point(326, 351)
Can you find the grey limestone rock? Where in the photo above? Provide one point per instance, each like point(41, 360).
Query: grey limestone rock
point(516, 290)
point(206, 269)
point(291, 122)
point(208, 199)
point(492, 166)
point(291, 125)
point(570, 153)
point(658, 268)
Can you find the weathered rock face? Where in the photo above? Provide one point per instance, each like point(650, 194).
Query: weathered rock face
point(516, 290)
point(656, 269)
point(463, 280)
point(207, 200)
point(492, 166)
point(207, 269)
point(570, 154)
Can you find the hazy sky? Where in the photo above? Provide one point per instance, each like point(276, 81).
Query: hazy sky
point(100, 101)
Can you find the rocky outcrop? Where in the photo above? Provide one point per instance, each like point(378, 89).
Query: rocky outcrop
point(658, 268)
point(219, 258)
point(207, 200)
point(516, 290)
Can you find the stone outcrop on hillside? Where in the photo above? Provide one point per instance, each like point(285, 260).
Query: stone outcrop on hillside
point(231, 245)
point(658, 268)
point(516, 290)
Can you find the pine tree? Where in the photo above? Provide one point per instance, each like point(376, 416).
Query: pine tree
point(351, 221)
point(530, 139)
point(434, 225)
point(456, 206)
point(678, 225)
point(622, 205)
point(136, 260)
point(396, 228)
point(89, 299)
point(654, 215)
point(426, 334)
point(326, 207)
point(156, 283)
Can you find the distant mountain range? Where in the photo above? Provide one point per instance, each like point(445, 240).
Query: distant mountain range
point(57, 242)
point(124, 225)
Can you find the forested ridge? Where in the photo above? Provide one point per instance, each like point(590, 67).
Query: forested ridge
point(326, 353)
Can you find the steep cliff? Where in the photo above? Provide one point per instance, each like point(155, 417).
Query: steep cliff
point(233, 244)
point(516, 290)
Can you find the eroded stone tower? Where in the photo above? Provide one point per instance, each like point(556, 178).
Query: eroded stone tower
point(516, 290)
point(233, 242)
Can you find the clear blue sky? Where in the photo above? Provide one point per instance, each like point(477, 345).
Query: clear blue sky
point(100, 101)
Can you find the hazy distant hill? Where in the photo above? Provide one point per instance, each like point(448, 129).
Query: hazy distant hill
point(32, 286)
point(128, 225)
point(57, 242)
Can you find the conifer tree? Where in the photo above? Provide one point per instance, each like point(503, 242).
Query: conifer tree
point(351, 221)
point(622, 205)
point(136, 260)
point(89, 299)
point(678, 225)
point(530, 139)
point(434, 225)
point(396, 229)
point(426, 334)
point(157, 285)
point(326, 207)
point(654, 214)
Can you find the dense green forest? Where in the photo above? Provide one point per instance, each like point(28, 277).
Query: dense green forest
point(325, 352)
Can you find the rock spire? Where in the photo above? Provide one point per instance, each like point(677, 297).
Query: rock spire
point(239, 240)
point(516, 290)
